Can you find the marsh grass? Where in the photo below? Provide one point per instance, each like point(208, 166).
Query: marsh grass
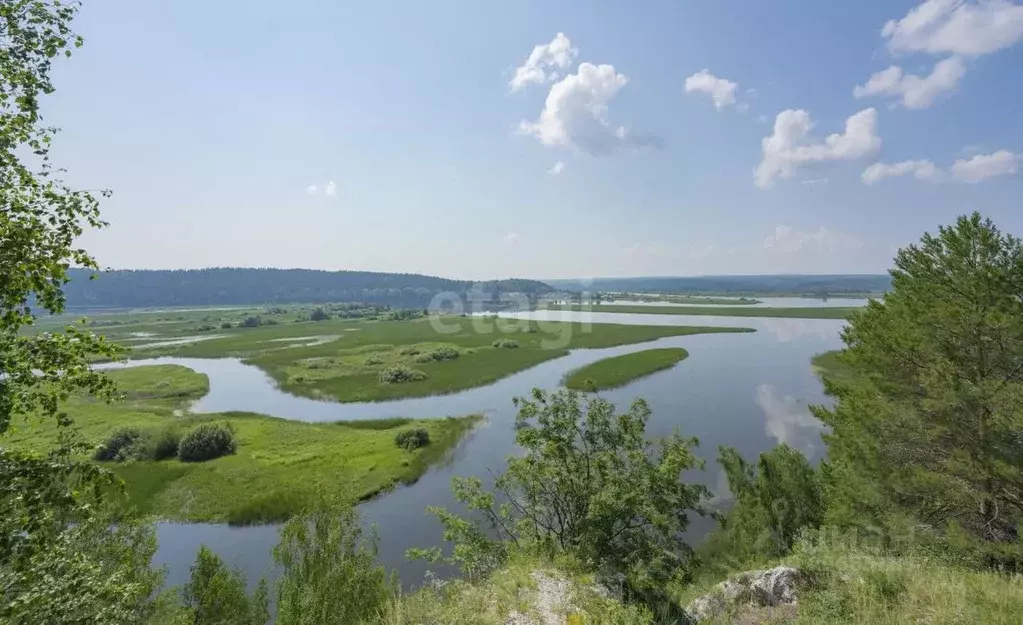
point(620, 370)
point(341, 369)
point(278, 464)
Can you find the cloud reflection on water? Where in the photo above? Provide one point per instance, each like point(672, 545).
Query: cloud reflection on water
point(789, 421)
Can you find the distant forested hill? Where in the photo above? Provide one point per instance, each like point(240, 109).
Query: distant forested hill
point(831, 285)
point(230, 286)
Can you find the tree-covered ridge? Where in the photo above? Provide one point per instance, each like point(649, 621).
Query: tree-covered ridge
point(782, 285)
point(229, 286)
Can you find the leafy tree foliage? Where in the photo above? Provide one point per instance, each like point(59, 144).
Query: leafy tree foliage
point(774, 500)
point(590, 485)
point(216, 595)
point(928, 414)
point(63, 559)
point(330, 574)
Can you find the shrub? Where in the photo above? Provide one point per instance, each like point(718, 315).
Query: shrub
point(251, 322)
point(374, 360)
point(204, 328)
point(116, 443)
point(506, 344)
point(206, 442)
point(444, 353)
point(409, 351)
point(270, 322)
point(400, 375)
point(329, 568)
point(319, 315)
point(164, 445)
point(625, 516)
point(226, 325)
point(216, 594)
point(411, 440)
point(138, 449)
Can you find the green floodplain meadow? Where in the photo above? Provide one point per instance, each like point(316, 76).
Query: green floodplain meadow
point(281, 466)
point(343, 360)
point(278, 468)
point(620, 370)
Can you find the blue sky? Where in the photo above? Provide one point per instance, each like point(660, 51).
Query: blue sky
point(211, 121)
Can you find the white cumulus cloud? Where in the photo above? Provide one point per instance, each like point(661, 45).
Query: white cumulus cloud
point(787, 240)
point(916, 92)
point(557, 168)
point(575, 114)
point(790, 146)
point(312, 189)
point(330, 188)
point(984, 166)
point(920, 169)
point(721, 90)
point(512, 238)
point(967, 27)
point(544, 62)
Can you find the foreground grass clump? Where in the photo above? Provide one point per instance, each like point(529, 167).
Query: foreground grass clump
point(620, 370)
point(850, 586)
point(279, 466)
point(525, 588)
point(823, 312)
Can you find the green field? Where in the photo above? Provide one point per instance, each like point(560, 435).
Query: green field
point(620, 370)
point(835, 312)
point(279, 465)
point(343, 360)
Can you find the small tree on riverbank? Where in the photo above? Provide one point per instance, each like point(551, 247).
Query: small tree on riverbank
point(589, 485)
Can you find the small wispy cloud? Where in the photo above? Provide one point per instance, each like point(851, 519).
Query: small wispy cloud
point(512, 238)
point(329, 189)
point(557, 168)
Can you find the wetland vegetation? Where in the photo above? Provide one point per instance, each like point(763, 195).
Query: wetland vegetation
point(372, 359)
point(277, 468)
point(620, 370)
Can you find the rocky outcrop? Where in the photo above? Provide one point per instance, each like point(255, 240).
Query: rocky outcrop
point(757, 589)
point(551, 601)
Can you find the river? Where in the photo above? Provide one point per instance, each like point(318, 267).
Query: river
point(750, 391)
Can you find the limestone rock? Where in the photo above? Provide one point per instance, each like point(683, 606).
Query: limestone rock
point(769, 588)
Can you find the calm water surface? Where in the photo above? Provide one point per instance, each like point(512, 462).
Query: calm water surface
point(750, 391)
